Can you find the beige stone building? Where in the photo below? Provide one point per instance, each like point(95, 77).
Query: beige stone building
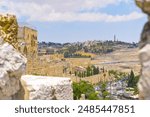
point(28, 43)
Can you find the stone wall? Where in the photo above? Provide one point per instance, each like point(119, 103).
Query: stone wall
point(28, 43)
point(144, 53)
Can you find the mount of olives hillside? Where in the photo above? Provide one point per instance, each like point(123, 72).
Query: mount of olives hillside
point(94, 47)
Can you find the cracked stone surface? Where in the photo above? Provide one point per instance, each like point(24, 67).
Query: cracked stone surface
point(47, 88)
point(12, 66)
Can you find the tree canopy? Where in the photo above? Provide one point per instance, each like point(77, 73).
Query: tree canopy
point(84, 87)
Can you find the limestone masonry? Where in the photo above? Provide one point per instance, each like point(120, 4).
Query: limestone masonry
point(28, 43)
point(12, 66)
point(47, 88)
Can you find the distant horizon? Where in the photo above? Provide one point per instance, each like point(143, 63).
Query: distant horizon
point(85, 41)
point(31, 26)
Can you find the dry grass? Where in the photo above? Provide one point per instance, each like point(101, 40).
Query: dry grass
point(127, 59)
point(53, 65)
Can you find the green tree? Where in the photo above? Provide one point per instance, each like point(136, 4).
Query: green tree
point(97, 70)
point(136, 91)
point(76, 91)
point(70, 72)
point(105, 93)
point(94, 70)
point(132, 82)
point(80, 74)
point(131, 79)
point(84, 87)
point(88, 71)
point(67, 55)
point(85, 74)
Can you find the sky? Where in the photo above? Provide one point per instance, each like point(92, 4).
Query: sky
point(79, 20)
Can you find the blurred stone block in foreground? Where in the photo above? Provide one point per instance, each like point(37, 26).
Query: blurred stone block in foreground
point(144, 83)
point(47, 88)
point(144, 5)
point(144, 53)
point(12, 66)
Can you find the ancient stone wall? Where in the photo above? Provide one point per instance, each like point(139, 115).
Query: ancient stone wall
point(28, 43)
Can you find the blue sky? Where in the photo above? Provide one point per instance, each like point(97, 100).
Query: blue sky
point(79, 20)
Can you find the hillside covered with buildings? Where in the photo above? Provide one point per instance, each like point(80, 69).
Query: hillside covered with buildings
point(95, 47)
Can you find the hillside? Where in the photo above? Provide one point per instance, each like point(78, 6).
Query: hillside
point(70, 50)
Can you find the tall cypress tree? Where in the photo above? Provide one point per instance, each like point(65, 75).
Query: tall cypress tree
point(131, 79)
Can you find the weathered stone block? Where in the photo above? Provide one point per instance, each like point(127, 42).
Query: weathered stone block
point(47, 88)
point(144, 83)
point(12, 66)
point(144, 5)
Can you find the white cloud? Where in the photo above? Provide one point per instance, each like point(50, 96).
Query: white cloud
point(87, 17)
point(65, 10)
point(63, 5)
